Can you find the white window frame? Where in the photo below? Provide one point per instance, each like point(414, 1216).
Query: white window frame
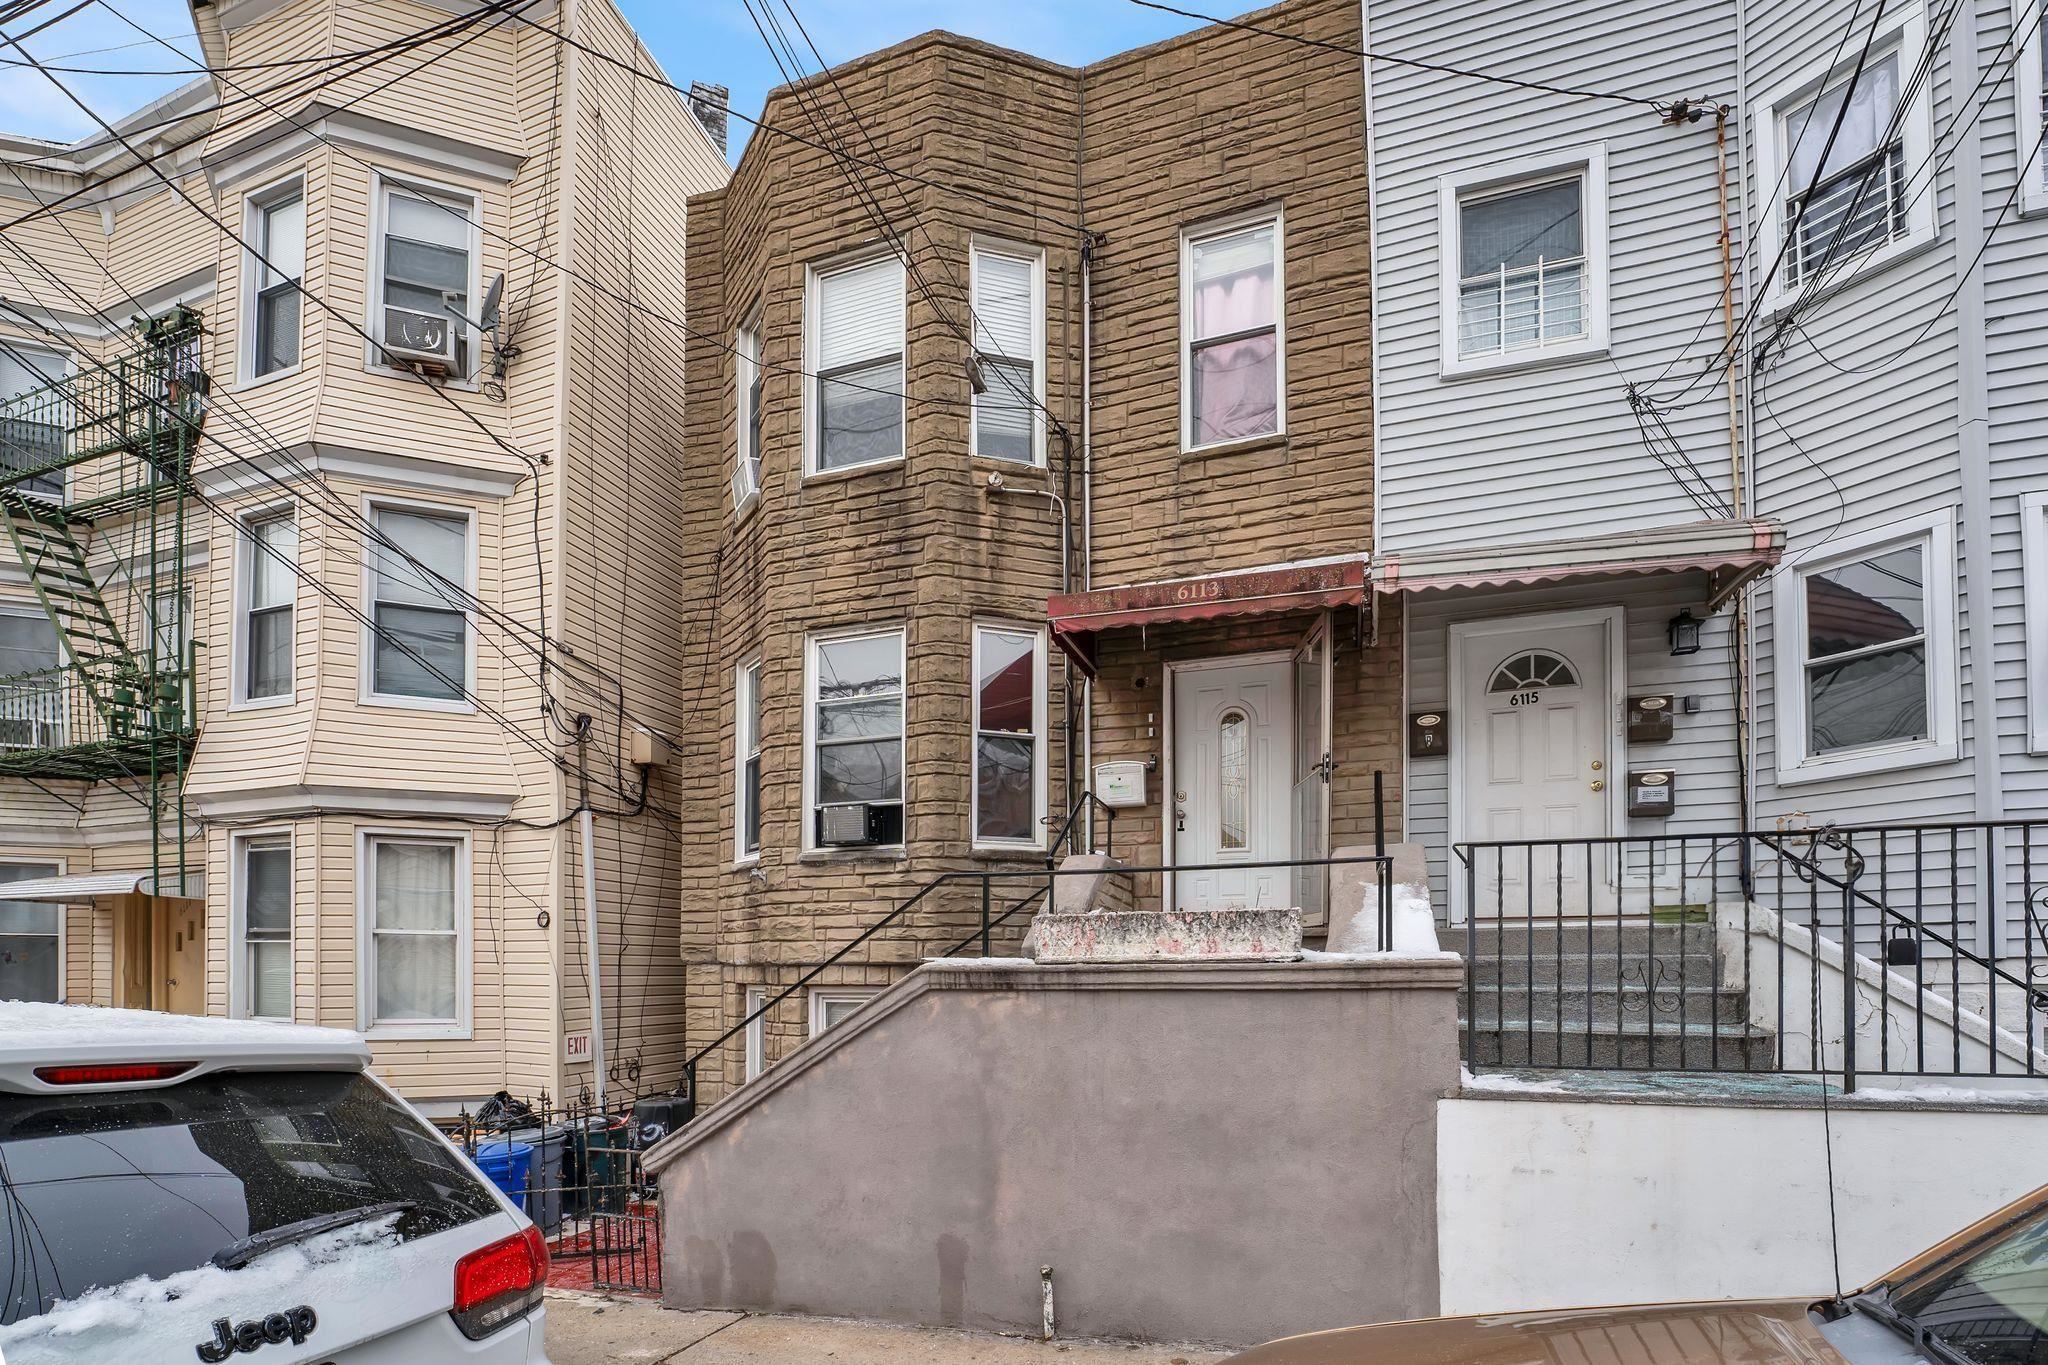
point(254, 205)
point(1796, 764)
point(1587, 164)
point(1190, 237)
point(240, 988)
point(64, 366)
point(746, 695)
point(1903, 32)
point(822, 996)
point(366, 664)
point(59, 866)
point(755, 1058)
point(1036, 843)
point(746, 355)
point(2029, 117)
point(2034, 555)
point(382, 183)
point(810, 762)
point(243, 594)
point(1035, 257)
point(366, 918)
point(814, 274)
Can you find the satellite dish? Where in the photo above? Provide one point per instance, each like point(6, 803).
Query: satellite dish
point(492, 296)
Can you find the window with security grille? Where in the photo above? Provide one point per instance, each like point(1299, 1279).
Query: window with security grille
point(1849, 197)
point(1522, 267)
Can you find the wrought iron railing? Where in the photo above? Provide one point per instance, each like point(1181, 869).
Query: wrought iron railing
point(72, 705)
point(1834, 951)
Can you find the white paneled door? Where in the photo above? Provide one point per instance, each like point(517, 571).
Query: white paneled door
point(1536, 761)
point(1233, 780)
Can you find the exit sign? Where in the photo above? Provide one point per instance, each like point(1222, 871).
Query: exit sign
point(576, 1046)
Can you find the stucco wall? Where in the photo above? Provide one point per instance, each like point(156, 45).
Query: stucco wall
point(1548, 1203)
point(1204, 1152)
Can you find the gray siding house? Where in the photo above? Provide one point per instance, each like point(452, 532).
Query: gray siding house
point(1727, 315)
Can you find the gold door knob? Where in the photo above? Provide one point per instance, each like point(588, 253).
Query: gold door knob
point(1598, 785)
point(1598, 765)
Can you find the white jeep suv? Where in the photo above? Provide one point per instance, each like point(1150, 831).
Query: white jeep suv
point(177, 1189)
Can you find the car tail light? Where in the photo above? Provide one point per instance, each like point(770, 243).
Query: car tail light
point(500, 1282)
point(112, 1073)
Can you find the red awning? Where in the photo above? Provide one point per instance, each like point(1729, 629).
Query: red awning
point(1266, 591)
point(1730, 553)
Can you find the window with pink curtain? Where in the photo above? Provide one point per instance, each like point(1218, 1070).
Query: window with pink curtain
point(1233, 335)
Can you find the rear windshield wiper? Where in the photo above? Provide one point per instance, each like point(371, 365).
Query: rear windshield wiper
point(235, 1255)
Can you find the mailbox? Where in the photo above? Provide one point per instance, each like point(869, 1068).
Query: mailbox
point(1649, 718)
point(1429, 734)
point(1652, 793)
point(1120, 785)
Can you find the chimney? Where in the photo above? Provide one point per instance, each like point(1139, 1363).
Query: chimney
point(710, 104)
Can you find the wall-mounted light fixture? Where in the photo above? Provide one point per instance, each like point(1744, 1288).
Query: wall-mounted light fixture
point(1684, 632)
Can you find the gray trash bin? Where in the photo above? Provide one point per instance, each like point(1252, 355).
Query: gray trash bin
point(545, 1181)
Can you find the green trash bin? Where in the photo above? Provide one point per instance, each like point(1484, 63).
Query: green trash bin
point(605, 1145)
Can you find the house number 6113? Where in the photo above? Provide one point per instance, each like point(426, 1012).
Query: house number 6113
point(1525, 699)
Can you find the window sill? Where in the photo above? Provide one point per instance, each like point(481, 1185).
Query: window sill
point(852, 471)
point(867, 853)
point(378, 701)
point(417, 1033)
point(262, 703)
point(1244, 445)
point(1891, 758)
point(1008, 468)
point(467, 384)
point(1521, 362)
point(260, 380)
point(1007, 853)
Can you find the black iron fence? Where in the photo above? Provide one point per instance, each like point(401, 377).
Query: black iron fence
point(575, 1169)
point(1837, 951)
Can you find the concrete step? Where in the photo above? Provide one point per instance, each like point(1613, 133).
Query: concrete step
point(1540, 1043)
point(1700, 1002)
point(1546, 967)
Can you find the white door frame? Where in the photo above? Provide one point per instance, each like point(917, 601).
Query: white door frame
point(1167, 842)
point(1615, 621)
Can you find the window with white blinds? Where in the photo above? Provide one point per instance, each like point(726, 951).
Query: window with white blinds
point(264, 984)
point(416, 941)
point(1008, 308)
point(856, 355)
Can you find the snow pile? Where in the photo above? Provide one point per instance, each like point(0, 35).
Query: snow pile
point(1440, 955)
point(1510, 1085)
point(176, 1311)
point(963, 962)
point(1414, 926)
point(74, 1026)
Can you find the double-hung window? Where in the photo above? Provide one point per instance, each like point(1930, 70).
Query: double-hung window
point(746, 474)
point(1233, 304)
point(854, 343)
point(756, 1044)
point(1524, 261)
point(32, 430)
point(32, 692)
point(419, 633)
point(31, 939)
point(264, 974)
point(1009, 736)
point(2034, 593)
point(747, 761)
point(269, 587)
point(277, 232)
point(415, 917)
point(2033, 115)
point(854, 729)
point(1855, 199)
point(1008, 313)
point(427, 255)
point(829, 1008)
point(1866, 654)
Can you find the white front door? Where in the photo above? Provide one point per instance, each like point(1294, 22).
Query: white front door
point(1232, 769)
point(1535, 757)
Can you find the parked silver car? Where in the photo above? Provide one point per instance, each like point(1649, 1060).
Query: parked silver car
point(177, 1189)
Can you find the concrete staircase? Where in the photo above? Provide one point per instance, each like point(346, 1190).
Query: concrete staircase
point(1628, 995)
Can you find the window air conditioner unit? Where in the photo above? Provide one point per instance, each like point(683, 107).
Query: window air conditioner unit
point(424, 339)
point(849, 824)
point(746, 481)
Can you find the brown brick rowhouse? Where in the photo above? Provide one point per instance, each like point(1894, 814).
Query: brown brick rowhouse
point(872, 671)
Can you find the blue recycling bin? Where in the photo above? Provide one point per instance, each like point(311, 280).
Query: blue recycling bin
point(507, 1164)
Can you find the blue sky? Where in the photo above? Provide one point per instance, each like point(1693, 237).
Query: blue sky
point(709, 40)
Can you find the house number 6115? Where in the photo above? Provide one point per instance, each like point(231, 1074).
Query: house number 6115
point(1525, 699)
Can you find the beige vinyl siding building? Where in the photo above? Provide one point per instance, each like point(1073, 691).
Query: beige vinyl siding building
point(418, 817)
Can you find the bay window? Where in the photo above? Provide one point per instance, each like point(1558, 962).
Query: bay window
point(854, 345)
point(1009, 736)
point(419, 636)
point(1233, 366)
point(415, 942)
point(1008, 324)
point(853, 779)
point(427, 253)
point(263, 978)
point(269, 588)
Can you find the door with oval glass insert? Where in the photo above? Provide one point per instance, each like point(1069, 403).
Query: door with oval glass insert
point(1534, 749)
point(1231, 799)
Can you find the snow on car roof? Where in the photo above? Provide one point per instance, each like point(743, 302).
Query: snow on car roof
point(37, 1033)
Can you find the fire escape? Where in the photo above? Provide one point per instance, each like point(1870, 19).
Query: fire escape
point(101, 461)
